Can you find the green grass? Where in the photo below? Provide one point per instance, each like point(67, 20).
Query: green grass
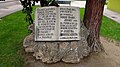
point(109, 28)
point(13, 30)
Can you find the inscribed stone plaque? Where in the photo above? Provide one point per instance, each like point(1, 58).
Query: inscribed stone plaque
point(57, 24)
point(69, 23)
point(46, 21)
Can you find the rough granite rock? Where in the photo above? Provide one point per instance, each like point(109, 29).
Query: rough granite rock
point(52, 52)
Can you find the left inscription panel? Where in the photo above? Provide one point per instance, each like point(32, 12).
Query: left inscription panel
point(46, 24)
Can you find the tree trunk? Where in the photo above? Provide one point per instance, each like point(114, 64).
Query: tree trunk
point(92, 20)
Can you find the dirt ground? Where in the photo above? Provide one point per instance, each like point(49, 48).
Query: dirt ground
point(109, 58)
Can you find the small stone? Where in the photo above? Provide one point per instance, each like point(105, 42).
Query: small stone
point(30, 49)
point(72, 57)
point(63, 45)
point(28, 41)
point(74, 44)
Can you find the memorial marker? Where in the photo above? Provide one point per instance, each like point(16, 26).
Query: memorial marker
point(57, 23)
point(59, 35)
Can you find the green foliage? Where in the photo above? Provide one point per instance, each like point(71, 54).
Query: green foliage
point(109, 28)
point(27, 8)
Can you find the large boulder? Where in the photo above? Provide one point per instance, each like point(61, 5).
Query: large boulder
point(51, 52)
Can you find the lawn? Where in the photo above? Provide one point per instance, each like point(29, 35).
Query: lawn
point(110, 29)
point(13, 29)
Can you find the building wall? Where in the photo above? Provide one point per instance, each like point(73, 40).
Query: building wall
point(114, 5)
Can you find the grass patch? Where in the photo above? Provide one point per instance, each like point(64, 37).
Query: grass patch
point(109, 28)
point(13, 30)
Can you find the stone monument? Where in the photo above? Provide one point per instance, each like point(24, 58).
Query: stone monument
point(57, 35)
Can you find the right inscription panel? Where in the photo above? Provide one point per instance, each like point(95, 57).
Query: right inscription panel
point(69, 23)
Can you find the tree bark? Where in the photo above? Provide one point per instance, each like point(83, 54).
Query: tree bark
point(92, 20)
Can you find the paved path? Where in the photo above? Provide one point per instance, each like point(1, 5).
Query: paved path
point(9, 7)
point(111, 14)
